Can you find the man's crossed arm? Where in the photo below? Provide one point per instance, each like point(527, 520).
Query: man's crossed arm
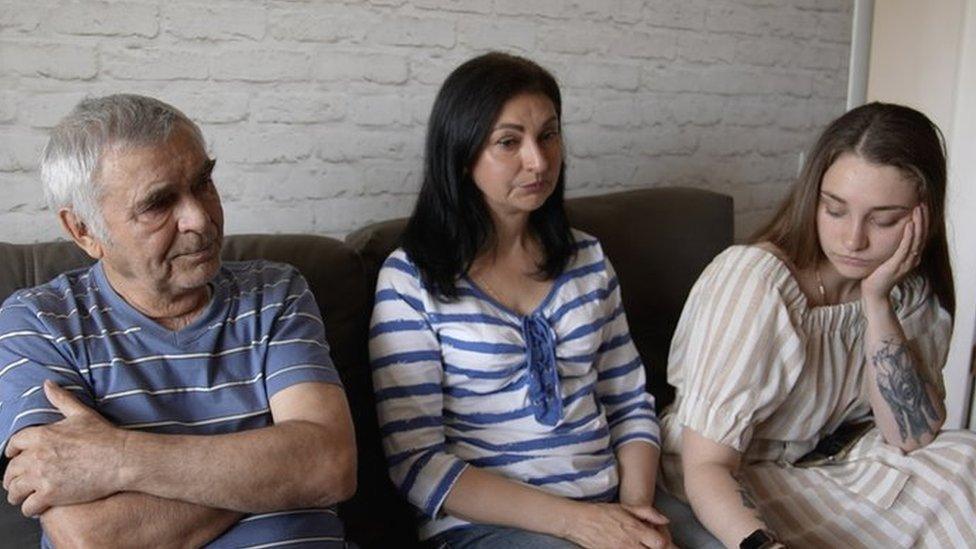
point(82, 472)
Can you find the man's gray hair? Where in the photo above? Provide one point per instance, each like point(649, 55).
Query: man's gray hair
point(72, 157)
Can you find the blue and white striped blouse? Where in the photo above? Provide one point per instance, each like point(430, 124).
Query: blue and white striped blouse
point(545, 398)
point(261, 333)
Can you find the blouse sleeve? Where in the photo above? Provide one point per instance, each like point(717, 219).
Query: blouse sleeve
point(621, 381)
point(406, 362)
point(927, 326)
point(735, 355)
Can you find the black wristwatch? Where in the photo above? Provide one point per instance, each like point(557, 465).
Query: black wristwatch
point(760, 539)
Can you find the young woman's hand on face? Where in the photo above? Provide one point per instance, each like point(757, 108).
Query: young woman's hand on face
point(877, 286)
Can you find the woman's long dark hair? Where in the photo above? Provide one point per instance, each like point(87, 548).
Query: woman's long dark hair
point(883, 134)
point(451, 225)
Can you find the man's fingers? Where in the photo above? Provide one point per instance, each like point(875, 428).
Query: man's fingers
point(18, 491)
point(14, 470)
point(34, 505)
point(63, 400)
point(17, 443)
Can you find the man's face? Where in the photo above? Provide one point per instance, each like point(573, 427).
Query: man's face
point(163, 217)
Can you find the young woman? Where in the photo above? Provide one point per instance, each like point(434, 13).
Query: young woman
point(511, 398)
point(808, 364)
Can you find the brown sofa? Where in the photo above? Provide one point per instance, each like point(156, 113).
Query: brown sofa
point(659, 240)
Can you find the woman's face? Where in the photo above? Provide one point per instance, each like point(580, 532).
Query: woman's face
point(862, 213)
point(519, 164)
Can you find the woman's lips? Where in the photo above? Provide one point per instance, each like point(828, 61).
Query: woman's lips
point(535, 187)
point(852, 261)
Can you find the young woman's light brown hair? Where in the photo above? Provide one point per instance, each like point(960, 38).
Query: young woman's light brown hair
point(883, 134)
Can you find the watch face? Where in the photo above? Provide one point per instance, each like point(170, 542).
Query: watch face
point(757, 540)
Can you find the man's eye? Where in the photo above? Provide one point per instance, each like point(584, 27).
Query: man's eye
point(156, 205)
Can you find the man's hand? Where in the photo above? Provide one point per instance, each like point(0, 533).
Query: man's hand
point(75, 460)
point(600, 525)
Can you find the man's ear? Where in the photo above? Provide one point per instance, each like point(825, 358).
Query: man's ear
point(80, 233)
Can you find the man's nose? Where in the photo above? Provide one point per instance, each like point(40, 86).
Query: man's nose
point(192, 215)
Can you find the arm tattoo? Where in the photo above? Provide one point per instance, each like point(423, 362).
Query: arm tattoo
point(903, 389)
point(747, 500)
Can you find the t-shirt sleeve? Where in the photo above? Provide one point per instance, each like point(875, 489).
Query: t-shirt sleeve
point(735, 354)
point(406, 361)
point(297, 349)
point(928, 328)
point(29, 355)
point(621, 381)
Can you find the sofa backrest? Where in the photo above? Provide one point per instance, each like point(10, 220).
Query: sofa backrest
point(658, 240)
point(334, 273)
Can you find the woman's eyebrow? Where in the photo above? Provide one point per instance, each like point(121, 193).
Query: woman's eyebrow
point(510, 126)
point(876, 208)
point(518, 127)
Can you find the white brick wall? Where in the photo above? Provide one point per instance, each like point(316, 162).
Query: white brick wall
point(316, 109)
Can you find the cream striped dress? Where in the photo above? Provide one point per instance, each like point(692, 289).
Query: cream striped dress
point(758, 370)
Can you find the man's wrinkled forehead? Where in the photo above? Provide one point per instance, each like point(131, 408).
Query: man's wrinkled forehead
point(181, 145)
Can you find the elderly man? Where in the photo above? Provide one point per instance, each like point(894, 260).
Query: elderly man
point(159, 397)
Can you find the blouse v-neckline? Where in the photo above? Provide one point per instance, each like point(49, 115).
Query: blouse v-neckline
point(536, 311)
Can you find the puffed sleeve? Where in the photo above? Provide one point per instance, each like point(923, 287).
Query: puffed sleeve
point(406, 362)
point(735, 354)
point(927, 326)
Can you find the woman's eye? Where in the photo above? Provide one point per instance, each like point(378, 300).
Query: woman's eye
point(204, 185)
point(550, 135)
point(885, 222)
point(507, 142)
point(835, 213)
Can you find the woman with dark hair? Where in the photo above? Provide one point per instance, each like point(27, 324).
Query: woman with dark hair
point(808, 364)
point(511, 398)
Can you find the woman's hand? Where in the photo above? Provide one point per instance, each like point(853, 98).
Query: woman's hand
point(877, 286)
point(612, 525)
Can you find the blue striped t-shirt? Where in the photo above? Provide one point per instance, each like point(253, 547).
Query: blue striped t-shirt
point(261, 333)
point(545, 398)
